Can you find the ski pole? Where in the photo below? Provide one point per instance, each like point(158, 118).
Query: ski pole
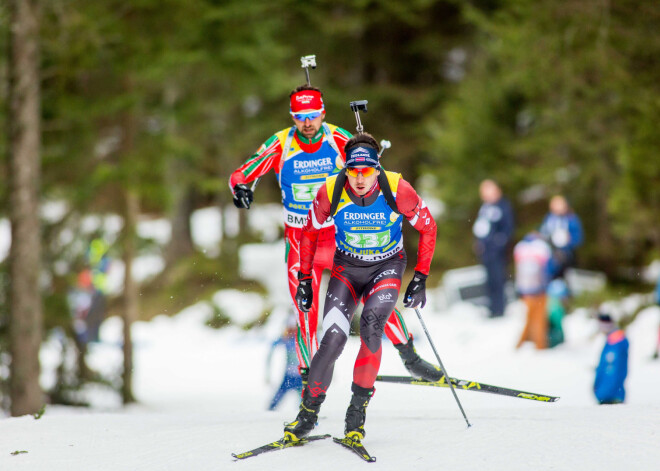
point(356, 107)
point(306, 62)
point(444, 371)
point(309, 337)
point(384, 144)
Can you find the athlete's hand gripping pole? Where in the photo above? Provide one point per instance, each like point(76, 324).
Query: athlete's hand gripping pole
point(243, 196)
point(415, 295)
point(444, 371)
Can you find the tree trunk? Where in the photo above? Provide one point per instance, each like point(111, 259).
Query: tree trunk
point(130, 211)
point(183, 196)
point(26, 310)
point(181, 244)
point(131, 294)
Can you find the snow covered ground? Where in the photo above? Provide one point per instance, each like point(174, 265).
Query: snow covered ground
point(203, 395)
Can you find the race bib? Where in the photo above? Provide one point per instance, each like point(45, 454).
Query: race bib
point(368, 241)
point(305, 191)
point(529, 276)
point(560, 238)
point(481, 228)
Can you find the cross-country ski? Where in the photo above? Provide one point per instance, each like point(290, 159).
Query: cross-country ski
point(468, 385)
point(356, 447)
point(280, 444)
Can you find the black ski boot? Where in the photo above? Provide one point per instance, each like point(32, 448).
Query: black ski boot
point(357, 412)
point(306, 418)
point(418, 368)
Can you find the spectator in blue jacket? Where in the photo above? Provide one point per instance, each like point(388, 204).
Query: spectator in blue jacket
point(493, 231)
point(613, 366)
point(563, 229)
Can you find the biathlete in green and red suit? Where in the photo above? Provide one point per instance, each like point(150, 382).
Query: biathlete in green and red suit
point(303, 156)
point(367, 206)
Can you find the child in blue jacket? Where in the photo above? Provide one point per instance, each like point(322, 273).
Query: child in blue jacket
point(613, 366)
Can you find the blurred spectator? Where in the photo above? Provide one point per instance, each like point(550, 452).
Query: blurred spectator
point(532, 255)
point(613, 366)
point(563, 229)
point(558, 296)
point(88, 298)
point(292, 380)
point(493, 230)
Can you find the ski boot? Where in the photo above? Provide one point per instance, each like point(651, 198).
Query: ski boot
point(357, 412)
point(418, 368)
point(306, 418)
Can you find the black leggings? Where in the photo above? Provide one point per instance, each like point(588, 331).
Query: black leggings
point(378, 285)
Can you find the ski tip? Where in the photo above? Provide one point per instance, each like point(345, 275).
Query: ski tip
point(537, 397)
point(355, 446)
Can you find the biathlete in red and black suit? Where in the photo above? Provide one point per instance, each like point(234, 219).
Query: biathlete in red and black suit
point(303, 156)
point(367, 206)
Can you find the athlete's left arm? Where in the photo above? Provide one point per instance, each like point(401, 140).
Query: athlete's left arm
point(413, 208)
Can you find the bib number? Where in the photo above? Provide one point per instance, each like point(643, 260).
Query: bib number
point(368, 241)
point(305, 191)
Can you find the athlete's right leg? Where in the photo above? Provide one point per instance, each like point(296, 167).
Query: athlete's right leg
point(340, 303)
point(338, 311)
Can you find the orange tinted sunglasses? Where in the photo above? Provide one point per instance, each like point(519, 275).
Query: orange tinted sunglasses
point(366, 171)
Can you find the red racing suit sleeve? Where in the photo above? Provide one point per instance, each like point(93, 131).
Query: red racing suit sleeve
point(318, 214)
point(414, 209)
point(266, 158)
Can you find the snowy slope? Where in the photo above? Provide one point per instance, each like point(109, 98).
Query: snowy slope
point(203, 395)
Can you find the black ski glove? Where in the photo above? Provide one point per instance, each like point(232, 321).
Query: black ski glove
point(416, 291)
point(304, 293)
point(242, 196)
